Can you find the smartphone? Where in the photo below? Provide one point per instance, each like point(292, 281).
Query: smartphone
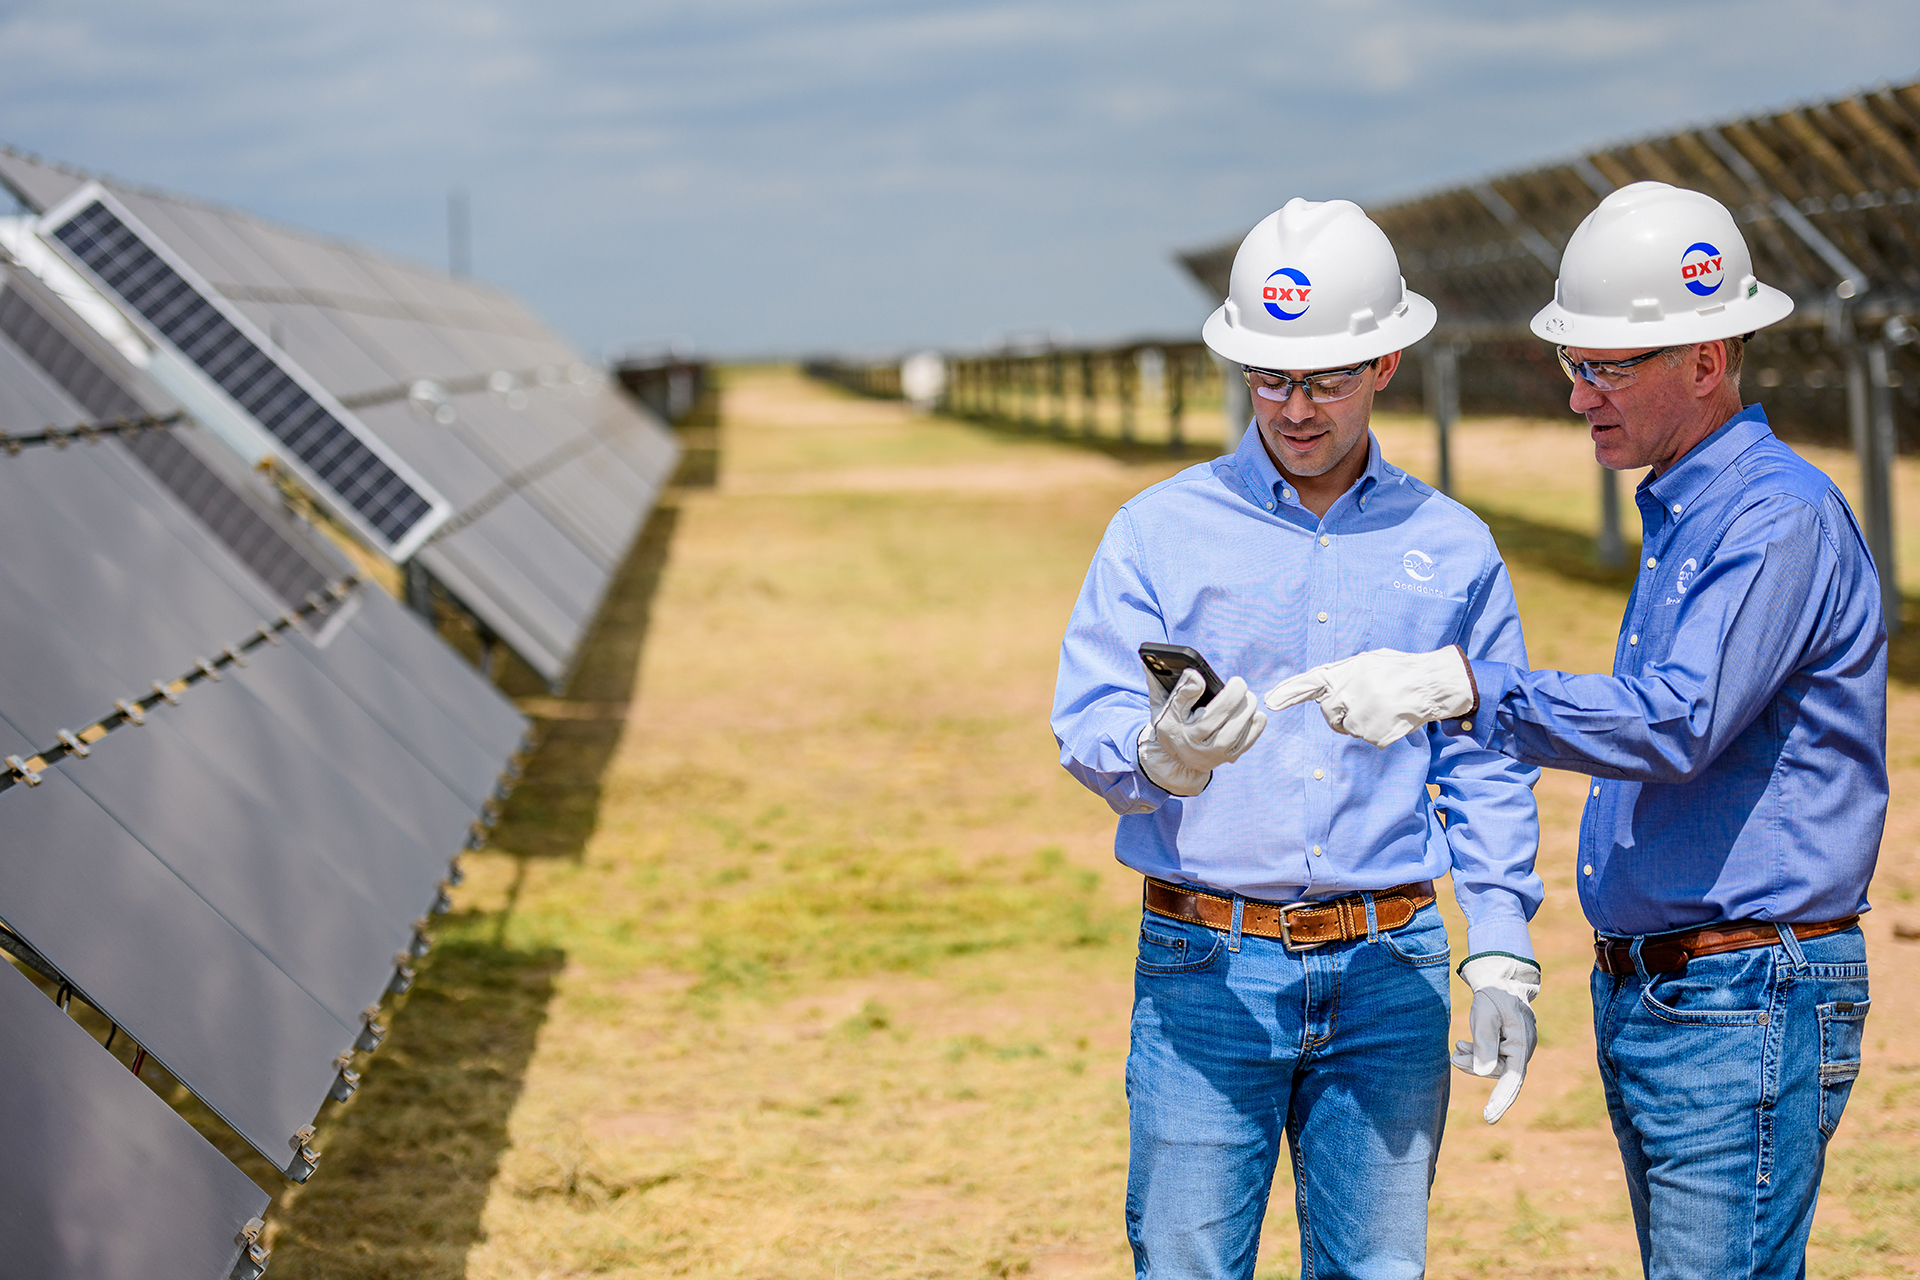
point(1167, 661)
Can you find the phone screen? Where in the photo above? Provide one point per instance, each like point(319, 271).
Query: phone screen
point(1166, 662)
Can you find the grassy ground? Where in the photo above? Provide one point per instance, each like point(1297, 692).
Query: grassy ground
point(798, 955)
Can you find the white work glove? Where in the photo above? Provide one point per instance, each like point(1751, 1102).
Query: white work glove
point(1182, 744)
point(1383, 695)
point(1501, 1021)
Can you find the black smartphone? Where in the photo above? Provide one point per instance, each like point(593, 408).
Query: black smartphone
point(1167, 661)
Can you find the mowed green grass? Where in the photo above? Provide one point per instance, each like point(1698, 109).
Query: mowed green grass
point(798, 955)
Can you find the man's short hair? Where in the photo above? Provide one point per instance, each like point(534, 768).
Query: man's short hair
point(1736, 357)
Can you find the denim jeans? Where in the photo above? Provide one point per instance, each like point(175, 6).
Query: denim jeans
point(1724, 1083)
point(1235, 1041)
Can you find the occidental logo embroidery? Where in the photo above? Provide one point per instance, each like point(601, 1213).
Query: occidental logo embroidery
point(1419, 566)
point(1291, 290)
point(1700, 267)
point(1684, 579)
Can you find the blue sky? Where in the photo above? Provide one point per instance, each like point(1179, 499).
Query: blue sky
point(752, 176)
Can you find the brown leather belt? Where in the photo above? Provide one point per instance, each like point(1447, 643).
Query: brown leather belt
point(1669, 952)
point(1300, 926)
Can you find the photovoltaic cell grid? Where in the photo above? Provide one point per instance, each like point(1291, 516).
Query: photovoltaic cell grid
point(114, 253)
point(99, 1179)
point(293, 571)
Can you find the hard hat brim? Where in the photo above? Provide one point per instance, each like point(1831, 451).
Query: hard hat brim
point(1565, 328)
point(1240, 345)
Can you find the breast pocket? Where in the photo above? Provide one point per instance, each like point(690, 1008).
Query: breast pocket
point(1414, 622)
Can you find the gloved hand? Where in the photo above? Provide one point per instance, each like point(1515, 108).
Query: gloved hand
point(1383, 695)
point(1182, 744)
point(1501, 1020)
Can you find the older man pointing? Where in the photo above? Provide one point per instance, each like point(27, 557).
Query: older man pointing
point(1738, 752)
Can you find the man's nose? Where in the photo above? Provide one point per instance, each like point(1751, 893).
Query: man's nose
point(1585, 396)
point(1298, 406)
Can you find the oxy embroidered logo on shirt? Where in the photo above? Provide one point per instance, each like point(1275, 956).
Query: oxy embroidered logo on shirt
point(1419, 566)
point(1683, 580)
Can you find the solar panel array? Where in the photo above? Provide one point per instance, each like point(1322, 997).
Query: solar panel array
point(547, 472)
point(235, 784)
point(1827, 195)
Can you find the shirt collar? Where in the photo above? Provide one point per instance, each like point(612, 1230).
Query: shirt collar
point(1263, 478)
point(1701, 465)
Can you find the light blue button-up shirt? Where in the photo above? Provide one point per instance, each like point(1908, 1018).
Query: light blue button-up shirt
point(1224, 558)
point(1739, 749)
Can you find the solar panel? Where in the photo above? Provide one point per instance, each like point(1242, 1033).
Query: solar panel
point(99, 1179)
point(312, 430)
point(293, 571)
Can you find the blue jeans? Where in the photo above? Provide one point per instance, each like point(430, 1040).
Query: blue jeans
point(1724, 1083)
point(1235, 1041)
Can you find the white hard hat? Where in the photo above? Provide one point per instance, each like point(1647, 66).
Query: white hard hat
point(1657, 266)
point(1316, 286)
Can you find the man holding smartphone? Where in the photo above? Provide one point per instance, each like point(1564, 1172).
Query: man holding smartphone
point(1738, 752)
point(1292, 975)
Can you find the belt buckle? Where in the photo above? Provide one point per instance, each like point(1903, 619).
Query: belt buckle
point(1286, 930)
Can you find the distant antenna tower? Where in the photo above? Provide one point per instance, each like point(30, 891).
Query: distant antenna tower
point(459, 235)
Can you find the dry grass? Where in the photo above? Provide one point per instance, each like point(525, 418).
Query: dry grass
point(799, 956)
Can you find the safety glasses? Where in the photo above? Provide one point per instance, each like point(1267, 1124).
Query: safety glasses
point(1322, 387)
point(1606, 375)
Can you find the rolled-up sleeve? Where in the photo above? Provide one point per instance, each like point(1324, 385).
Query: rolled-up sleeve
point(1492, 822)
point(1100, 697)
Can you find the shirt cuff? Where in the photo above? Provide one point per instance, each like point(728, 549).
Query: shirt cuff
point(1491, 682)
point(1502, 933)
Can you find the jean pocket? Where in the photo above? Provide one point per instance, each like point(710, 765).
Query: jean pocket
point(1842, 1023)
point(1423, 941)
point(1730, 990)
point(1173, 946)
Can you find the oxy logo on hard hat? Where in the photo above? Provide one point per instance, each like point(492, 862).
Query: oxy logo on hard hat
point(1291, 289)
point(1701, 266)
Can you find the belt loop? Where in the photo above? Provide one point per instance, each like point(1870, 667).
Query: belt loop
point(1639, 965)
point(1792, 944)
point(1233, 939)
point(1373, 923)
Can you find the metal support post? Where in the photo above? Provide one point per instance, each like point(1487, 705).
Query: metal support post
point(1128, 367)
point(1089, 395)
point(419, 589)
point(1176, 400)
point(1870, 415)
point(1608, 548)
point(1236, 404)
point(1443, 402)
point(1057, 387)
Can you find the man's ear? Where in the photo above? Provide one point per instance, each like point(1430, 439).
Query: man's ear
point(1709, 368)
point(1384, 371)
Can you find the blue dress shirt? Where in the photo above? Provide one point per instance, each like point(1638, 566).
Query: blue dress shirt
point(1739, 749)
point(1224, 558)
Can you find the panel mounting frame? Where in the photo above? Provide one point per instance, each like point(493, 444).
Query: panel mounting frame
point(439, 509)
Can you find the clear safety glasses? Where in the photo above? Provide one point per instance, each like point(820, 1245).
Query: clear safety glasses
point(1606, 375)
point(1322, 387)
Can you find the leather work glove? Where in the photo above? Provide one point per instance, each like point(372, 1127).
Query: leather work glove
point(1183, 744)
point(1501, 1021)
point(1383, 695)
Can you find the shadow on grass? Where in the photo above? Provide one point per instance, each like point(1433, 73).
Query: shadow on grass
point(554, 808)
point(1072, 434)
point(407, 1164)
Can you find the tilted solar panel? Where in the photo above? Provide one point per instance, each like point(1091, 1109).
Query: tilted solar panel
point(99, 1179)
point(376, 491)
